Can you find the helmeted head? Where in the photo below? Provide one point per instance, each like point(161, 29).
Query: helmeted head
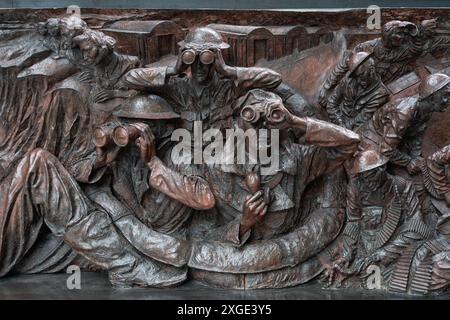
point(435, 90)
point(370, 168)
point(202, 39)
point(258, 105)
point(72, 26)
point(94, 45)
point(396, 33)
point(150, 109)
point(52, 27)
point(146, 107)
point(198, 51)
point(362, 68)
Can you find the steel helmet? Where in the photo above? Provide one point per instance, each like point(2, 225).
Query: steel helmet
point(150, 107)
point(368, 160)
point(203, 38)
point(357, 59)
point(432, 83)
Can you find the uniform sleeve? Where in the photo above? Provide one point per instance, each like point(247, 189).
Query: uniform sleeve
point(436, 168)
point(335, 76)
point(380, 98)
point(334, 101)
point(85, 170)
point(412, 141)
point(438, 43)
point(399, 158)
point(192, 191)
point(332, 145)
point(145, 78)
point(252, 78)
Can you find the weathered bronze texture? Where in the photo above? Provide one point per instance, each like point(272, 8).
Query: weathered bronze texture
point(92, 108)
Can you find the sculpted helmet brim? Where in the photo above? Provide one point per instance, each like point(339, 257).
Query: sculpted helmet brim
point(202, 39)
point(202, 46)
point(360, 63)
point(368, 160)
point(151, 107)
point(432, 84)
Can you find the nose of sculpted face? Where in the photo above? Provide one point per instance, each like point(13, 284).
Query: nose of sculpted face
point(201, 72)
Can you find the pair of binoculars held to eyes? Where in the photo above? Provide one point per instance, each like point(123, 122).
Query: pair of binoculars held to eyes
point(120, 135)
point(272, 113)
point(206, 56)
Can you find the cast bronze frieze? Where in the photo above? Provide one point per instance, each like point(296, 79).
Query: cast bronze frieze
point(263, 154)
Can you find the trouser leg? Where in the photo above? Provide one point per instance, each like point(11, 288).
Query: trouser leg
point(42, 189)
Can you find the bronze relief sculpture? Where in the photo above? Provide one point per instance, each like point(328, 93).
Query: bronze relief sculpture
point(122, 167)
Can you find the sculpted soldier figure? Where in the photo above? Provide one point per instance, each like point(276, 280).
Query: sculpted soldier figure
point(359, 95)
point(400, 44)
point(424, 266)
point(159, 211)
point(213, 87)
point(383, 217)
point(394, 53)
point(51, 31)
point(59, 34)
point(260, 221)
point(43, 194)
point(88, 175)
point(53, 206)
point(436, 164)
point(396, 130)
point(429, 270)
point(101, 65)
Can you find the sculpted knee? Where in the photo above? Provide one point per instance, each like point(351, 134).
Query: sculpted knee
point(40, 155)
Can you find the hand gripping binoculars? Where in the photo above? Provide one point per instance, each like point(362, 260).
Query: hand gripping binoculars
point(121, 135)
point(272, 112)
point(206, 56)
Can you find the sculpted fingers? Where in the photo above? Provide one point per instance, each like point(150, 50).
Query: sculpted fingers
point(253, 205)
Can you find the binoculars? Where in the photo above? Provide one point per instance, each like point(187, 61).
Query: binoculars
point(252, 113)
point(121, 135)
point(206, 56)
